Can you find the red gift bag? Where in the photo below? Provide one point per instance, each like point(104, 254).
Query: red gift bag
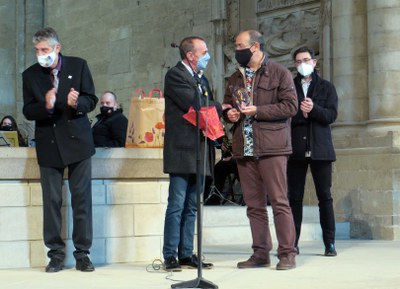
point(210, 123)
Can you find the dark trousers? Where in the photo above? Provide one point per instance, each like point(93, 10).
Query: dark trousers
point(79, 180)
point(322, 175)
point(222, 170)
point(261, 178)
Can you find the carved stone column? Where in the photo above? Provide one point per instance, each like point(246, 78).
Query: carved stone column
point(218, 40)
point(384, 62)
point(350, 63)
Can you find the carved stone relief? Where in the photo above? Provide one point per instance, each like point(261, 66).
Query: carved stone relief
point(269, 5)
point(284, 34)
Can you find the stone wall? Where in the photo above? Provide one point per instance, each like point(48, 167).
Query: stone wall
point(127, 43)
point(128, 208)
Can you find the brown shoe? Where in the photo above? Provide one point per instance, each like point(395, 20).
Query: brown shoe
point(254, 262)
point(286, 262)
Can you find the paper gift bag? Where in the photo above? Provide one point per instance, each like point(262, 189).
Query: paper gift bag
point(146, 126)
point(209, 121)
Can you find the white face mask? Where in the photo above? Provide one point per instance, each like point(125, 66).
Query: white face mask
point(47, 60)
point(305, 69)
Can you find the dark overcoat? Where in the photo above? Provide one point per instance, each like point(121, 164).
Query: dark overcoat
point(314, 133)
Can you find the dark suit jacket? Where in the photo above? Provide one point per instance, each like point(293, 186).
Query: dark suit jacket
point(64, 136)
point(180, 92)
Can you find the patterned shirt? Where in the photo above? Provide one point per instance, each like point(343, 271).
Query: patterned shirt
point(248, 128)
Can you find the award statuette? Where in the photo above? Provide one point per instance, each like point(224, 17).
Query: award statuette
point(240, 96)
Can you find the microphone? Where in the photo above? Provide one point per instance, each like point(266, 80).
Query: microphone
point(174, 45)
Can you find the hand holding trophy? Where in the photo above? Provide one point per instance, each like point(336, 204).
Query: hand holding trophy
point(240, 96)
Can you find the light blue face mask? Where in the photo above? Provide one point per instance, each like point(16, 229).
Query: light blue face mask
point(203, 61)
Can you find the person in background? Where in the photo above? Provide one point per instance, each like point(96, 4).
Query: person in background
point(182, 90)
point(312, 145)
point(110, 128)
point(8, 123)
point(263, 100)
point(58, 93)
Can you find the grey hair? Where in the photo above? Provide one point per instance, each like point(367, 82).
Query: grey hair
point(46, 34)
point(256, 36)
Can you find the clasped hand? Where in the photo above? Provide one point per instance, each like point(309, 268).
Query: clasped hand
point(306, 106)
point(72, 98)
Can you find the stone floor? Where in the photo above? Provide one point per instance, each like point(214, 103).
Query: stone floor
point(359, 264)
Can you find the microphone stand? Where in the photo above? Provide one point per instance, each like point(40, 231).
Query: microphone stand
point(199, 282)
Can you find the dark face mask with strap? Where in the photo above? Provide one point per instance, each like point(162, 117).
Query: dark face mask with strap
point(243, 56)
point(106, 110)
point(6, 127)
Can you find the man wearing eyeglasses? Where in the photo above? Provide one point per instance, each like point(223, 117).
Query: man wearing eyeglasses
point(263, 99)
point(312, 145)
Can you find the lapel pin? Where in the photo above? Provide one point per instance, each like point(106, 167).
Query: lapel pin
point(69, 76)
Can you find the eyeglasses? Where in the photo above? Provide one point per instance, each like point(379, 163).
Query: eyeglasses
point(304, 60)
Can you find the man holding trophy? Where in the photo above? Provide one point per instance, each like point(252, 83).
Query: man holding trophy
point(263, 99)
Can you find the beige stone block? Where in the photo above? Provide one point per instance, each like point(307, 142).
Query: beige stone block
point(149, 219)
point(382, 5)
point(98, 192)
point(100, 221)
point(38, 254)
point(164, 186)
point(365, 180)
point(133, 192)
point(98, 251)
point(14, 194)
point(133, 249)
point(376, 203)
point(14, 254)
point(387, 61)
point(396, 233)
point(353, 109)
point(119, 221)
point(345, 7)
point(227, 235)
point(20, 223)
point(349, 29)
point(36, 193)
point(382, 233)
point(383, 20)
point(225, 216)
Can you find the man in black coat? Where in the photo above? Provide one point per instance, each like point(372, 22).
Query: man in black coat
point(110, 128)
point(58, 93)
point(312, 145)
point(182, 91)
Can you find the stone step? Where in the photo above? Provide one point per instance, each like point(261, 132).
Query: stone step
point(229, 225)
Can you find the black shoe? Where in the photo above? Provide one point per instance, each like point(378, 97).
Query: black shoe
point(84, 264)
point(330, 250)
point(172, 265)
point(193, 263)
point(54, 265)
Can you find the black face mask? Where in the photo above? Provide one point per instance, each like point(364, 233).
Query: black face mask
point(6, 127)
point(106, 110)
point(243, 56)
